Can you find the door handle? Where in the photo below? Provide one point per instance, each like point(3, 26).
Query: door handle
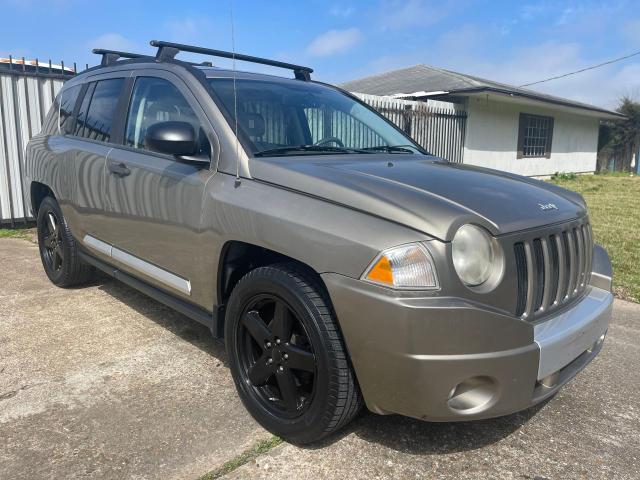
point(119, 169)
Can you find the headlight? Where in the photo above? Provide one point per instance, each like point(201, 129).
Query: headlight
point(407, 266)
point(473, 254)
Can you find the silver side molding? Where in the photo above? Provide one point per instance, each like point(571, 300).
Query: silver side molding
point(97, 245)
point(150, 270)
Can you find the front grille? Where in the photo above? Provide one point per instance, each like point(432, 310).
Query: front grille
point(552, 269)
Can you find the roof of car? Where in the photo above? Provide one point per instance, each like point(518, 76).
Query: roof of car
point(208, 70)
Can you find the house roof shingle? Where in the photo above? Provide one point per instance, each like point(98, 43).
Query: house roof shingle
point(425, 78)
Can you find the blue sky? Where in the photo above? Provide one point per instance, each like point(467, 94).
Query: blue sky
point(509, 41)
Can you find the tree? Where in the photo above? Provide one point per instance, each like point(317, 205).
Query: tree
point(621, 138)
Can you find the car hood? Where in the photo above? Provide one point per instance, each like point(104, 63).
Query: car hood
point(424, 193)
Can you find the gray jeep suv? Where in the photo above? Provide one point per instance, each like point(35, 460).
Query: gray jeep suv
point(341, 262)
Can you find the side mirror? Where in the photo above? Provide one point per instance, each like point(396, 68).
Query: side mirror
point(172, 138)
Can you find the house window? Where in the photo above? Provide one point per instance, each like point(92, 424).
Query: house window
point(534, 136)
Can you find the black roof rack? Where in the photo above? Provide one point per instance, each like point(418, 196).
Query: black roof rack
point(109, 57)
point(168, 50)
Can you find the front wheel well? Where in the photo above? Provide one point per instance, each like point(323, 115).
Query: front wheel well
point(239, 258)
point(39, 191)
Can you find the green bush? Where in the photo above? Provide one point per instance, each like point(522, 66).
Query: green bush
point(563, 176)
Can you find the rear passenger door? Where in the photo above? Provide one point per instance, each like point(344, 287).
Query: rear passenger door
point(92, 135)
point(154, 200)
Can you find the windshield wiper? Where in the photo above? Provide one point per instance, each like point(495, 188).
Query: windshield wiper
point(307, 148)
point(391, 148)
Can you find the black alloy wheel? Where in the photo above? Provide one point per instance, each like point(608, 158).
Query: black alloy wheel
point(276, 355)
point(287, 356)
point(53, 253)
point(58, 249)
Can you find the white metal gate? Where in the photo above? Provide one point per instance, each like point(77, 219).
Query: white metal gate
point(26, 93)
point(439, 127)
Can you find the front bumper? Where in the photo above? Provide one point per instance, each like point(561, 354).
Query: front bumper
point(445, 359)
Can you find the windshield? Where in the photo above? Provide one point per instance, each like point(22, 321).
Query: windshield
point(278, 118)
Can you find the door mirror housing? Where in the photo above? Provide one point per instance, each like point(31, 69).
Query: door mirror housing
point(173, 138)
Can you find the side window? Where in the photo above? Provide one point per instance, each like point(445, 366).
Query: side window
point(97, 122)
point(82, 111)
point(68, 99)
point(156, 100)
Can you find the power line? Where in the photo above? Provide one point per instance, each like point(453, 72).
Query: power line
point(583, 69)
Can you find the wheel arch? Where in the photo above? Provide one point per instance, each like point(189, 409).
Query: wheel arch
point(38, 192)
point(237, 258)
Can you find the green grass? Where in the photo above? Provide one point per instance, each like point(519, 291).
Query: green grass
point(26, 233)
point(245, 457)
point(614, 211)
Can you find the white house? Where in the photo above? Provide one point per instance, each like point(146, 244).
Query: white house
point(507, 128)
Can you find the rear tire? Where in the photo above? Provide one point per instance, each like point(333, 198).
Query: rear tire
point(58, 249)
point(287, 356)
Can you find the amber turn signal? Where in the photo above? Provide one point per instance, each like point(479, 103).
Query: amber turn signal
point(381, 272)
point(407, 266)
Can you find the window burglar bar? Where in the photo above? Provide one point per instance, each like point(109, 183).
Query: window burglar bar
point(534, 136)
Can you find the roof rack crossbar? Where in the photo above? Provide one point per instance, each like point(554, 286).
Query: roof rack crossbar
point(168, 50)
point(109, 57)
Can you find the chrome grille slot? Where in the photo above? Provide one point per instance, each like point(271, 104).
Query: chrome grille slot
point(571, 248)
point(521, 267)
point(554, 260)
point(589, 242)
point(562, 269)
point(538, 261)
point(552, 269)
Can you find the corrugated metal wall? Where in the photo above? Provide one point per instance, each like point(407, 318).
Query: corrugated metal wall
point(25, 98)
point(439, 127)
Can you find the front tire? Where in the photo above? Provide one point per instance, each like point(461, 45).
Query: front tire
point(287, 356)
point(58, 249)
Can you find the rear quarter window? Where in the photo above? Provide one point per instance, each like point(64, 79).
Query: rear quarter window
point(96, 122)
point(68, 99)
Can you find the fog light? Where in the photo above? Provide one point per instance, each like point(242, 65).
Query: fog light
point(473, 395)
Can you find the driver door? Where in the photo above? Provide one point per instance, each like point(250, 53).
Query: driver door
point(153, 200)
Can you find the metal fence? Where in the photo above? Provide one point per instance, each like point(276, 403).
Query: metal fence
point(439, 127)
point(27, 90)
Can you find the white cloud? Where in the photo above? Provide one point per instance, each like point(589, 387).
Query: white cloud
point(342, 11)
point(462, 39)
point(113, 41)
point(396, 14)
point(334, 42)
point(187, 29)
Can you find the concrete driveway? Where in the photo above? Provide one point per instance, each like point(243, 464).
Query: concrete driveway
point(103, 382)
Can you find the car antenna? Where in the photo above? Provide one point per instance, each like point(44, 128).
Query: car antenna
point(235, 93)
